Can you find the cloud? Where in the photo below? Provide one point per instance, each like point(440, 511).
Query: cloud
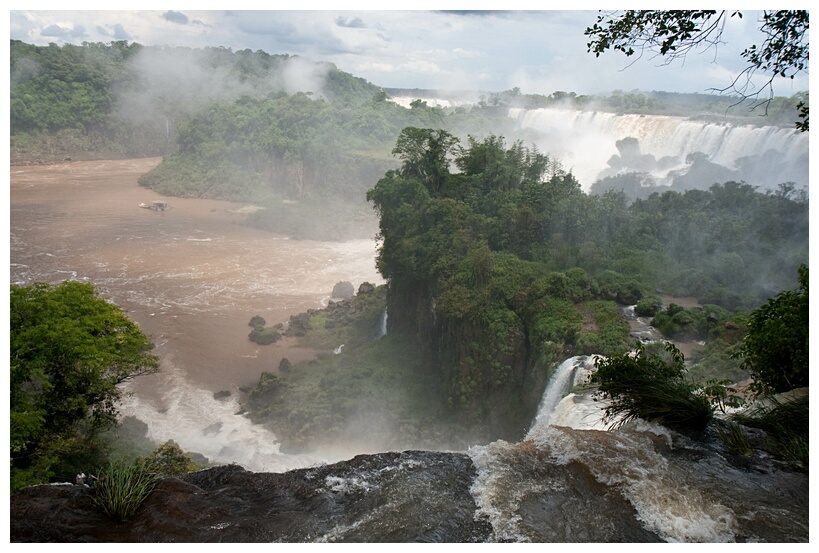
point(538, 51)
point(481, 13)
point(281, 30)
point(116, 31)
point(175, 17)
point(63, 31)
point(120, 33)
point(353, 23)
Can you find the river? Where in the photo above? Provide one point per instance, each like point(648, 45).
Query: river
point(191, 277)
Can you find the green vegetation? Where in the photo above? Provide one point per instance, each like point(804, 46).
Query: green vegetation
point(501, 270)
point(352, 321)
point(122, 487)
point(506, 267)
point(69, 349)
point(734, 438)
point(169, 460)
point(648, 386)
point(786, 422)
point(265, 335)
point(371, 395)
point(230, 125)
point(775, 349)
point(497, 269)
point(673, 34)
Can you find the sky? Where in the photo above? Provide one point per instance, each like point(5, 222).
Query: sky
point(539, 52)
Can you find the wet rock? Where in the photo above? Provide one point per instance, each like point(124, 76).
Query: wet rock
point(388, 497)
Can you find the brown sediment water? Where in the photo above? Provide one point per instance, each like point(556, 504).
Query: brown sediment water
point(191, 276)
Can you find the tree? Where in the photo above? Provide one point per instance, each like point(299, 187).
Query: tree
point(69, 350)
point(775, 349)
point(673, 34)
point(425, 155)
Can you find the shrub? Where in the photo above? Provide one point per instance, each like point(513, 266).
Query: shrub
point(169, 459)
point(122, 487)
point(343, 290)
point(264, 336)
point(735, 439)
point(648, 307)
point(775, 349)
point(257, 321)
point(284, 365)
point(643, 385)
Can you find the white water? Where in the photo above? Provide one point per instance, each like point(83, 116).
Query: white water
point(196, 421)
point(585, 141)
point(680, 490)
point(570, 373)
point(382, 329)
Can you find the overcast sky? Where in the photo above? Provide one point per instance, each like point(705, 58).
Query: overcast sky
point(537, 51)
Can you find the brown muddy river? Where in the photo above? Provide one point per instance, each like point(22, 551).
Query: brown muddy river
point(192, 277)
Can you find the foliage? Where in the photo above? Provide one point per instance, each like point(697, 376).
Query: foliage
point(678, 323)
point(716, 358)
point(376, 395)
point(775, 350)
point(264, 335)
point(648, 307)
point(69, 349)
point(787, 423)
point(122, 487)
point(257, 320)
point(506, 267)
point(169, 460)
point(343, 289)
point(734, 439)
point(643, 385)
point(673, 34)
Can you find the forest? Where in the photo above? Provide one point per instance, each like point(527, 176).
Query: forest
point(498, 264)
point(303, 140)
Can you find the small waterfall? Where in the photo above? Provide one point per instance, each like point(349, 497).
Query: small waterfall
point(382, 327)
point(570, 373)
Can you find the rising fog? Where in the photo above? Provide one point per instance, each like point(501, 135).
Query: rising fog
point(190, 79)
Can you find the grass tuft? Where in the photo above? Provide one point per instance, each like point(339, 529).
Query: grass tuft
point(122, 487)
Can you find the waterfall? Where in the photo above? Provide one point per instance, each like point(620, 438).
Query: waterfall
point(382, 327)
point(570, 373)
point(585, 142)
point(570, 480)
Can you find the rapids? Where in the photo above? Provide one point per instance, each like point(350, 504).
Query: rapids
point(572, 480)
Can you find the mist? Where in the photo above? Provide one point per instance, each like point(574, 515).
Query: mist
point(173, 80)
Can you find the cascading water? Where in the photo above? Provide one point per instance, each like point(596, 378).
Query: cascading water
point(570, 373)
point(585, 141)
point(382, 327)
point(198, 422)
point(571, 480)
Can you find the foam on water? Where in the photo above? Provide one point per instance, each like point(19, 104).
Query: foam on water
point(646, 462)
point(197, 422)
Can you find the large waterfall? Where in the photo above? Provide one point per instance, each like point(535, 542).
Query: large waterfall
point(585, 142)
